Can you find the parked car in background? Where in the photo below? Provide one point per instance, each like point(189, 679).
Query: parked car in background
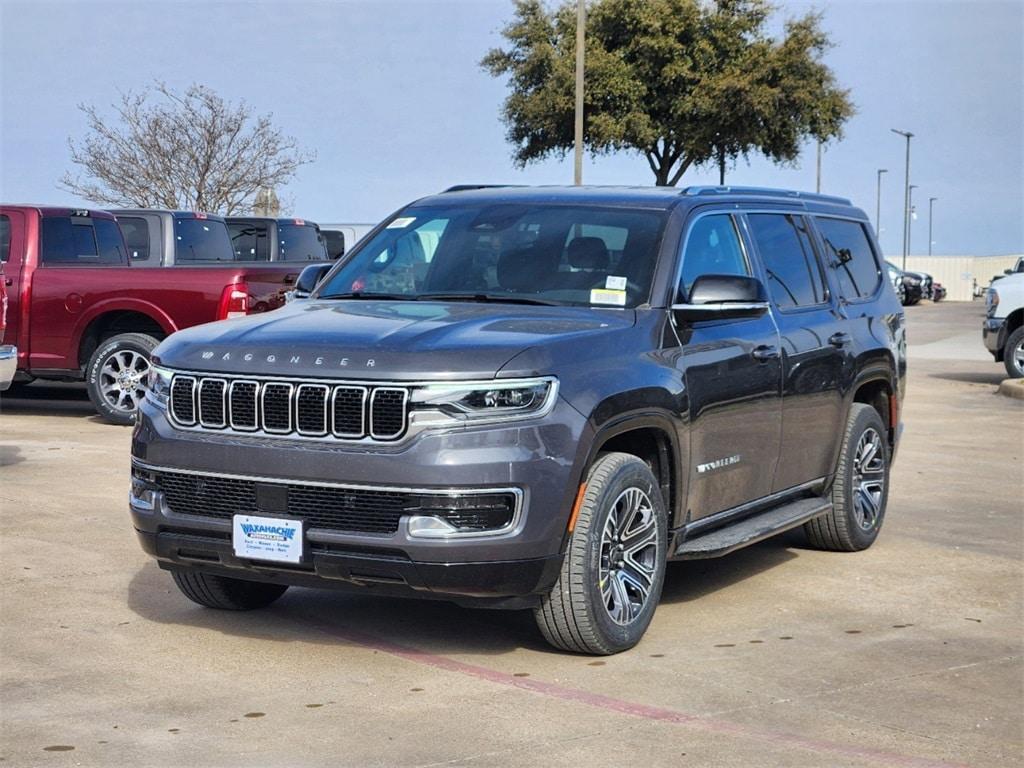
point(79, 309)
point(1018, 268)
point(341, 237)
point(8, 352)
point(927, 284)
point(1003, 329)
point(908, 286)
point(256, 238)
point(534, 398)
point(938, 292)
point(165, 238)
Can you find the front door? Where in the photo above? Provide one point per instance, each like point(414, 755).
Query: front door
point(732, 374)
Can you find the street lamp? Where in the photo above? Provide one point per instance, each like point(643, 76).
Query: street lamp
point(581, 16)
point(906, 197)
point(910, 207)
point(878, 204)
point(931, 205)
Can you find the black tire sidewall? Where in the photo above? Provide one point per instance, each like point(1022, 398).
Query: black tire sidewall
point(629, 475)
point(1012, 341)
point(866, 418)
point(136, 342)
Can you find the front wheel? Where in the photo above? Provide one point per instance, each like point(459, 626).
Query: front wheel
point(116, 375)
point(614, 566)
point(1013, 354)
point(225, 593)
point(861, 487)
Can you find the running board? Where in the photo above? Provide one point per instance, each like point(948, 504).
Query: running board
point(751, 530)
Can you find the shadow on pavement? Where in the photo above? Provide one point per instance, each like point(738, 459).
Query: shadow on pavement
point(974, 377)
point(48, 399)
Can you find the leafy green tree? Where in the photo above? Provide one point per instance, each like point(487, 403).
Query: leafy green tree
point(682, 82)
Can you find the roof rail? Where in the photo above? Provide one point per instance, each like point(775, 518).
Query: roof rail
point(467, 187)
point(764, 192)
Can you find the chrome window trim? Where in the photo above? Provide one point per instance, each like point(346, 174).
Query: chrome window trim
point(404, 391)
point(223, 402)
point(512, 528)
point(291, 408)
point(170, 410)
point(326, 401)
point(364, 391)
point(255, 405)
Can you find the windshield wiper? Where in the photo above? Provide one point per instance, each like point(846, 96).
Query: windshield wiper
point(498, 298)
point(369, 296)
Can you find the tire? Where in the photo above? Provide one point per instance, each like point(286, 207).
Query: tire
point(224, 593)
point(858, 497)
point(1013, 354)
point(578, 615)
point(901, 292)
point(116, 375)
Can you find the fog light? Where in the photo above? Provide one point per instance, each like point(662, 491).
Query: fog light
point(443, 515)
point(143, 493)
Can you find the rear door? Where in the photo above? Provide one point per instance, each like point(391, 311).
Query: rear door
point(812, 343)
point(732, 374)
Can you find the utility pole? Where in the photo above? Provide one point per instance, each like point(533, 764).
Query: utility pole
point(906, 197)
point(910, 204)
point(817, 186)
point(931, 206)
point(878, 204)
point(581, 21)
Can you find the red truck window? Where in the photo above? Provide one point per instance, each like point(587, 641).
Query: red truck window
point(5, 237)
point(84, 242)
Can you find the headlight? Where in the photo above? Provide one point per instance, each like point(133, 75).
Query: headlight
point(992, 301)
point(158, 385)
point(498, 400)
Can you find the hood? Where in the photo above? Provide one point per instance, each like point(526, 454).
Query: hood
point(397, 340)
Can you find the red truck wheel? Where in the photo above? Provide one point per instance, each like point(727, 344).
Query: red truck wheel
point(116, 375)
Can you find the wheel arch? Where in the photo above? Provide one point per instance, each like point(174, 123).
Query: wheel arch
point(130, 316)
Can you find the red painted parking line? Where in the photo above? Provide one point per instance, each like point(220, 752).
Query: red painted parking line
point(634, 709)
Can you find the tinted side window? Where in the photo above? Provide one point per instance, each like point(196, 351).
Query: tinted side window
point(794, 277)
point(64, 242)
point(250, 241)
point(335, 242)
point(5, 238)
point(712, 248)
point(201, 240)
point(109, 243)
point(850, 254)
point(136, 236)
point(300, 243)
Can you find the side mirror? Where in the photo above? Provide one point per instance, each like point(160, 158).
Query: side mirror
point(722, 297)
point(308, 279)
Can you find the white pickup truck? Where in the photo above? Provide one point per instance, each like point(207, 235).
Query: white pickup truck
point(1003, 330)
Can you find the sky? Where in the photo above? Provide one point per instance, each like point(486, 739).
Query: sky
point(391, 97)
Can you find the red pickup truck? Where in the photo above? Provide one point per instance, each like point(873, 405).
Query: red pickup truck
point(78, 310)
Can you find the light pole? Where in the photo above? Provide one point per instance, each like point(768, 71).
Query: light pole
point(906, 197)
point(931, 206)
point(878, 204)
point(910, 208)
point(581, 17)
point(818, 182)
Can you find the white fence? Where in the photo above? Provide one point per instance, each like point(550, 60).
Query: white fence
point(958, 273)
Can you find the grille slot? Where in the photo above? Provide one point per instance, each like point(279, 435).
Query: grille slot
point(387, 413)
point(212, 403)
point(242, 405)
point(277, 407)
point(348, 411)
point(311, 409)
point(183, 403)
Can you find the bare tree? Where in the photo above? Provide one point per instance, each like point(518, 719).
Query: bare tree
point(190, 150)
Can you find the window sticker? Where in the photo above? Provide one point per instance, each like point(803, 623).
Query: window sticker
point(401, 222)
point(615, 283)
point(605, 296)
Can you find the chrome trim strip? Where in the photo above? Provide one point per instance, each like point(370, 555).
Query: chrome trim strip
point(741, 510)
point(364, 391)
point(405, 412)
point(298, 394)
point(263, 410)
point(255, 405)
point(511, 528)
point(175, 377)
point(223, 403)
point(722, 306)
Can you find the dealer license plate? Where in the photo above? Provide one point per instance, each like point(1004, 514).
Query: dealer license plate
point(267, 538)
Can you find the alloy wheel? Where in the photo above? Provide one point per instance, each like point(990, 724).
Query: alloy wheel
point(1018, 357)
point(629, 556)
point(868, 479)
point(123, 379)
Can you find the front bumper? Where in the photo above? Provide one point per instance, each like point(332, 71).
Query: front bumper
point(993, 334)
point(8, 365)
point(538, 458)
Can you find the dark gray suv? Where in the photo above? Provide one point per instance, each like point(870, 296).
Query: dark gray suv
point(534, 398)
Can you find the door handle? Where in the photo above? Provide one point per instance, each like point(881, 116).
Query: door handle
point(839, 339)
point(8, 281)
point(764, 352)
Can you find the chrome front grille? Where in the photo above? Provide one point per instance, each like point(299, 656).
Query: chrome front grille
point(306, 409)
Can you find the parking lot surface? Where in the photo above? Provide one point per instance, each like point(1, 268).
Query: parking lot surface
point(908, 654)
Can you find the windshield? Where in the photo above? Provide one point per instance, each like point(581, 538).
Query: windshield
point(301, 242)
point(201, 240)
point(535, 253)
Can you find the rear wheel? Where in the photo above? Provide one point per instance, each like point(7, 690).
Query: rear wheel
point(224, 593)
point(614, 566)
point(860, 489)
point(1013, 354)
point(116, 375)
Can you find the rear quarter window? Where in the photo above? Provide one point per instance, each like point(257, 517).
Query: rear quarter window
point(849, 253)
point(136, 236)
point(5, 238)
